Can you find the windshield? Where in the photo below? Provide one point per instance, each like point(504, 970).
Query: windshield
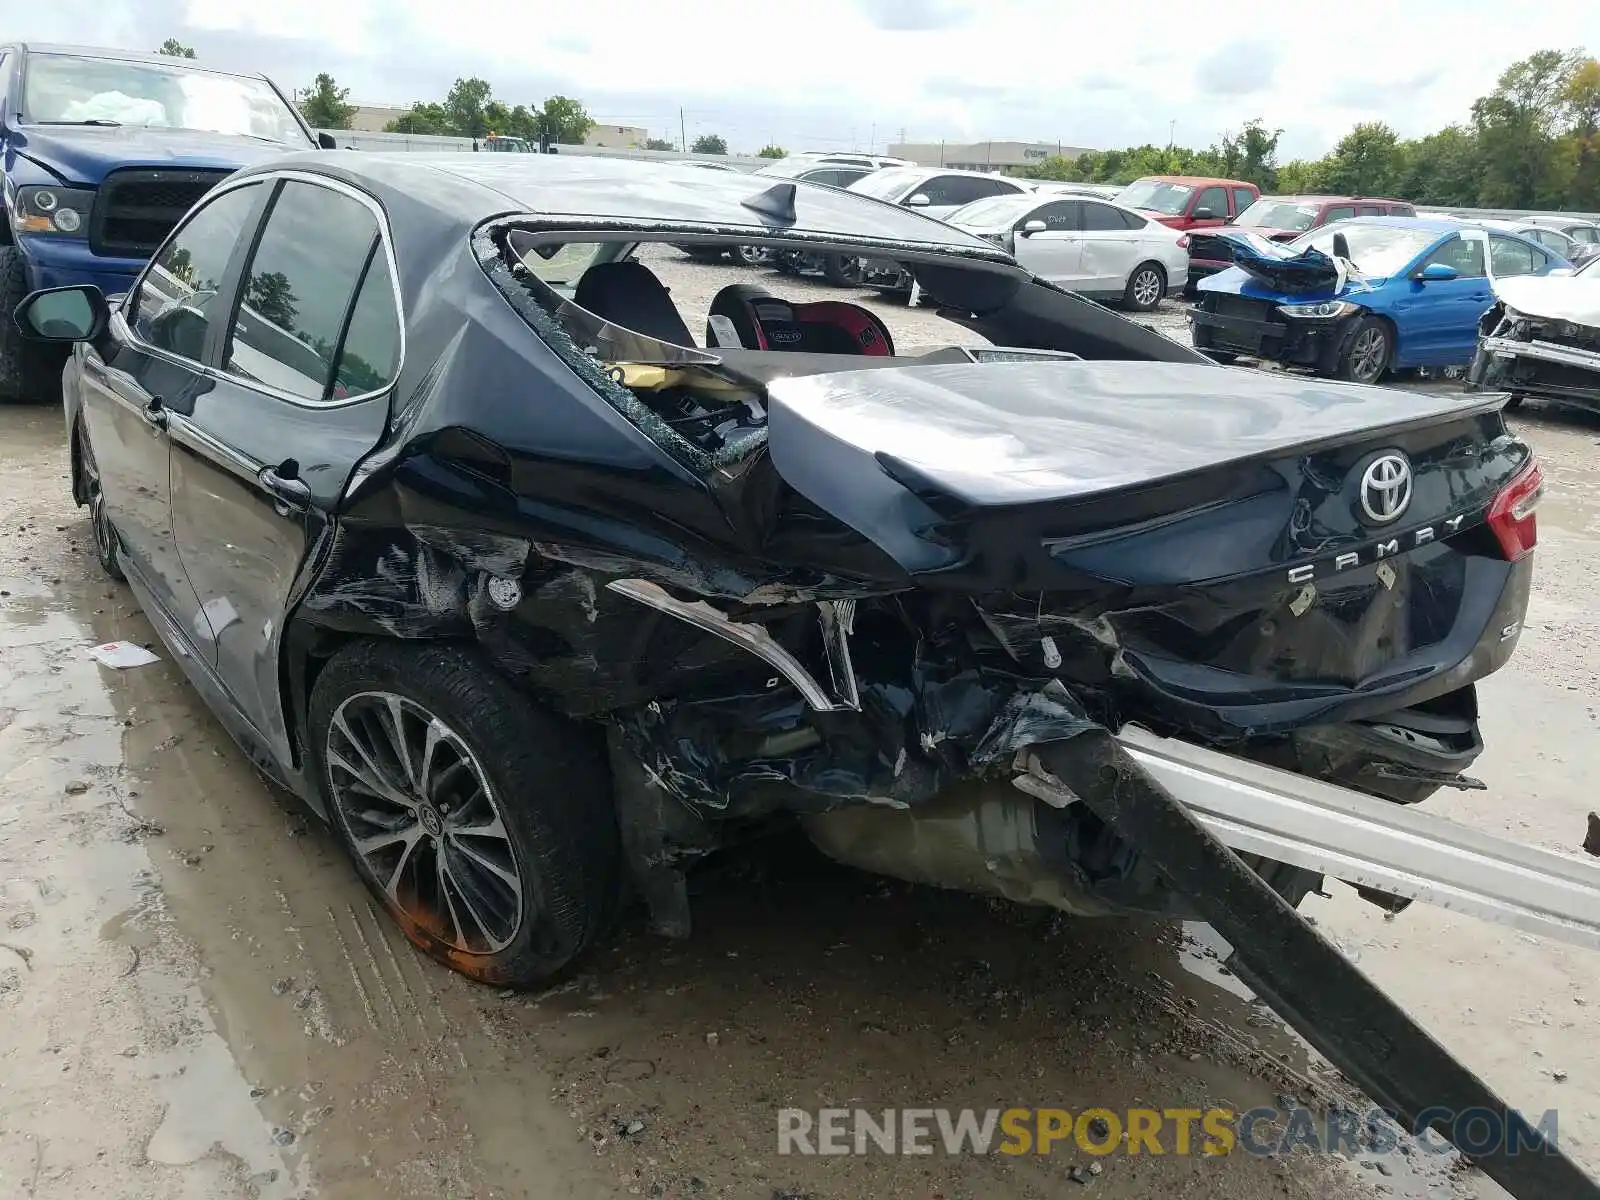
point(992, 212)
point(886, 185)
point(1278, 214)
point(788, 168)
point(1588, 268)
point(1155, 196)
point(64, 89)
point(1378, 250)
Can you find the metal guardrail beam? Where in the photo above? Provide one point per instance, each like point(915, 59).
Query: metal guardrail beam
point(1404, 850)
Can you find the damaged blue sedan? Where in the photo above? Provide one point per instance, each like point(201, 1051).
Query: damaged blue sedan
point(1359, 298)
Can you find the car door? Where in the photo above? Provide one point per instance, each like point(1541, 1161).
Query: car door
point(1110, 249)
point(303, 368)
point(1437, 319)
point(149, 367)
point(1054, 252)
point(1213, 200)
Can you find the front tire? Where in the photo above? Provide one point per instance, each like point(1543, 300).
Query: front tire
point(753, 256)
point(30, 372)
point(1367, 352)
point(482, 823)
point(843, 270)
point(107, 546)
point(1146, 285)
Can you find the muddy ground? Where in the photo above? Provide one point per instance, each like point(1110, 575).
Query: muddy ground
point(197, 999)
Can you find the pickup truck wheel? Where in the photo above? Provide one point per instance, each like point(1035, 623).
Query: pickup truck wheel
point(1366, 352)
point(482, 823)
point(754, 256)
point(29, 371)
point(1146, 285)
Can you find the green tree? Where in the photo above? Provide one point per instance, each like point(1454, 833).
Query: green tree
point(1517, 125)
point(659, 144)
point(463, 107)
point(770, 151)
point(1580, 147)
point(1441, 168)
point(564, 121)
point(323, 104)
point(709, 143)
point(423, 118)
point(1251, 154)
point(1295, 177)
point(1364, 163)
point(173, 48)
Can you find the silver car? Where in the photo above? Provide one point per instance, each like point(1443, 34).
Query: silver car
point(1086, 245)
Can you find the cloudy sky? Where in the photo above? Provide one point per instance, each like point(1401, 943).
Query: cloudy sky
point(840, 74)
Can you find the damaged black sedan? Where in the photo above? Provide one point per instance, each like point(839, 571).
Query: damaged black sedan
point(471, 541)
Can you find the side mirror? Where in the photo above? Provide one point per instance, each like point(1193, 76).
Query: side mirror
point(326, 141)
point(920, 200)
point(1033, 227)
point(77, 313)
point(1204, 214)
point(1438, 273)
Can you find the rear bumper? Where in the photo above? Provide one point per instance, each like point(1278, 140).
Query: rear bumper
point(1536, 368)
point(62, 262)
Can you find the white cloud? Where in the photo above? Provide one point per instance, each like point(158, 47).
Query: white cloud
point(837, 73)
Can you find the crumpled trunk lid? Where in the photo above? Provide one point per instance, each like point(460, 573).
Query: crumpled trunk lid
point(1193, 541)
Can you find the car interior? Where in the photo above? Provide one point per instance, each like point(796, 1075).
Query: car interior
point(709, 391)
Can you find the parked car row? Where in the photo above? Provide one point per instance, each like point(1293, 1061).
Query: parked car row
point(1364, 296)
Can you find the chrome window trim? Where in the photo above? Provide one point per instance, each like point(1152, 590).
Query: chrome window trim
point(385, 238)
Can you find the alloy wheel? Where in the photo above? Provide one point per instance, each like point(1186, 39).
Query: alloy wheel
point(1147, 289)
point(1367, 354)
point(424, 819)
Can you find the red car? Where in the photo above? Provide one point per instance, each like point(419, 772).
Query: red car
point(1284, 218)
point(1188, 201)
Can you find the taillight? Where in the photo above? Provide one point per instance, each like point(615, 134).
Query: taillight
point(1511, 516)
point(1183, 241)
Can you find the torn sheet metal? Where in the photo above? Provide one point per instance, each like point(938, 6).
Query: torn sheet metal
point(1308, 272)
point(1305, 978)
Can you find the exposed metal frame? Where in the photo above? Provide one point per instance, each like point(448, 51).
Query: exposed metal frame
point(759, 642)
point(1395, 848)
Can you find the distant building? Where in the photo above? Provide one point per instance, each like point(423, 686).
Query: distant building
point(371, 118)
point(617, 137)
point(1007, 157)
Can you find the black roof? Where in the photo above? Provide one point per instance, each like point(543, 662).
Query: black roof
point(470, 188)
point(107, 52)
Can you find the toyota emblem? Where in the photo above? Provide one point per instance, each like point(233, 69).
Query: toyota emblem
point(1386, 488)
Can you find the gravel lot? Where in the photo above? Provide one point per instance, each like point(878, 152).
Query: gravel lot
point(198, 1000)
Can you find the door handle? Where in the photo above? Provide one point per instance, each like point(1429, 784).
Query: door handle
point(155, 413)
point(289, 492)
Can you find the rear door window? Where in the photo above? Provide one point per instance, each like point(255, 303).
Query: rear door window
point(1369, 210)
point(1102, 217)
point(1586, 233)
point(298, 290)
point(1512, 256)
point(1243, 198)
point(1339, 212)
point(177, 299)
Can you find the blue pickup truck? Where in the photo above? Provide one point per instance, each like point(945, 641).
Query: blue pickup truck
point(101, 154)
